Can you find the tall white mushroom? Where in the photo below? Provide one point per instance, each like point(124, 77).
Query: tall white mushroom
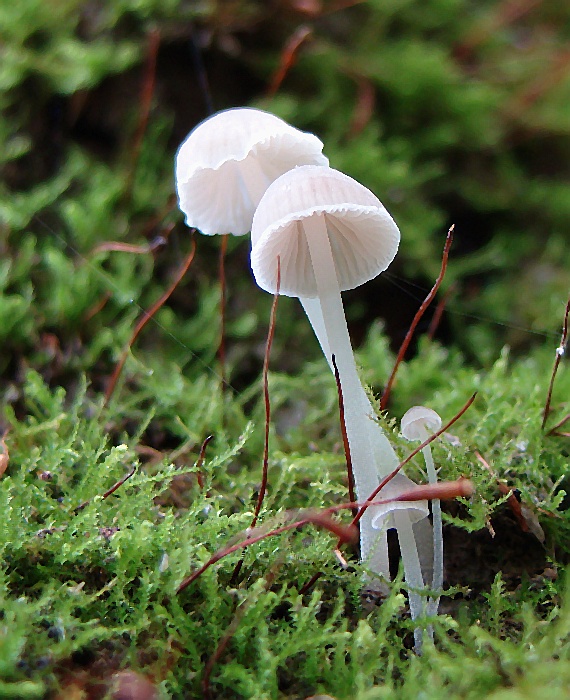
point(225, 165)
point(331, 234)
point(228, 161)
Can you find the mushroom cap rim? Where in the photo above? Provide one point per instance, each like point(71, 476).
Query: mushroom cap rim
point(330, 209)
point(263, 144)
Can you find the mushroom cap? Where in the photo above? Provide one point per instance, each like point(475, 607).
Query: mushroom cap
point(384, 514)
point(418, 420)
point(213, 160)
point(363, 236)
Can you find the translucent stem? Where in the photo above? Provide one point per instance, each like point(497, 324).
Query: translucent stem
point(437, 583)
point(338, 343)
point(386, 458)
point(412, 570)
point(385, 461)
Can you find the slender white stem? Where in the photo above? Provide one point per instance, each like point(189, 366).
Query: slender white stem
point(338, 341)
point(412, 570)
point(385, 461)
point(437, 583)
point(385, 457)
point(371, 452)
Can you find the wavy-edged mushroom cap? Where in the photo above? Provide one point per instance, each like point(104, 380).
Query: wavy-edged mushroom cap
point(363, 236)
point(419, 420)
point(227, 162)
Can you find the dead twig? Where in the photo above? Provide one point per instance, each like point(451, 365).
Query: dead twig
point(107, 493)
point(202, 455)
point(145, 318)
point(350, 474)
point(222, 344)
point(288, 57)
point(426, 302)
point(560, 351)
point(444, 490)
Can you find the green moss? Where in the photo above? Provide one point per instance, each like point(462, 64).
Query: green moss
point(434, 106)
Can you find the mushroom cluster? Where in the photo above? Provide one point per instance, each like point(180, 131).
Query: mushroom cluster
point(246, 170)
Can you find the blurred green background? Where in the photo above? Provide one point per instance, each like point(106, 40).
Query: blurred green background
point(451, 111)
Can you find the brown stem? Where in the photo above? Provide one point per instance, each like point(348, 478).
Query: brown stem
point(231, 630)
point(346, 533)
point(107, 493)
point(310, 583)
point(438, 313)
point(202, 455)
point(223, 292)
point(270, 335)
point(320, 519)
point(554, 430)
point(349, 471)
point(118, 247)
point(267, 402)
point(145, 318)
point(288, 58)
point(426, 302)
point(149, 80)
point(504, 14)
point(560, 351)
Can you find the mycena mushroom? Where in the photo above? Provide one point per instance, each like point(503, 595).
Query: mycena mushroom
point(417, 423)
point(225, 165)
point(332, 234)
point(227, 162)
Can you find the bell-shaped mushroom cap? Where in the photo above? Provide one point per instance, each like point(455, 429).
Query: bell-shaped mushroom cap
point(418, 420)
point(363, 236)
point(227, 162)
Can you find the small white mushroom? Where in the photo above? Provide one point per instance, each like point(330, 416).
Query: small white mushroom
point(417, 424)
point(227, 162)
point(331, 234)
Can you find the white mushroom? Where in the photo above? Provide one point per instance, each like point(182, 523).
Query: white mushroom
point(227, 162)
point(417, 424)
point(331, 234)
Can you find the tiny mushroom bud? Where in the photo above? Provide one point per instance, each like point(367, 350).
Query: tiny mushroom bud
point(417, 423)
point(227, 162)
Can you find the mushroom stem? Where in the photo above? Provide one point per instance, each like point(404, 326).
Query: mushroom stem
point(437, 583)
point(385, 458)
point(412, 570)
point(338, 341)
